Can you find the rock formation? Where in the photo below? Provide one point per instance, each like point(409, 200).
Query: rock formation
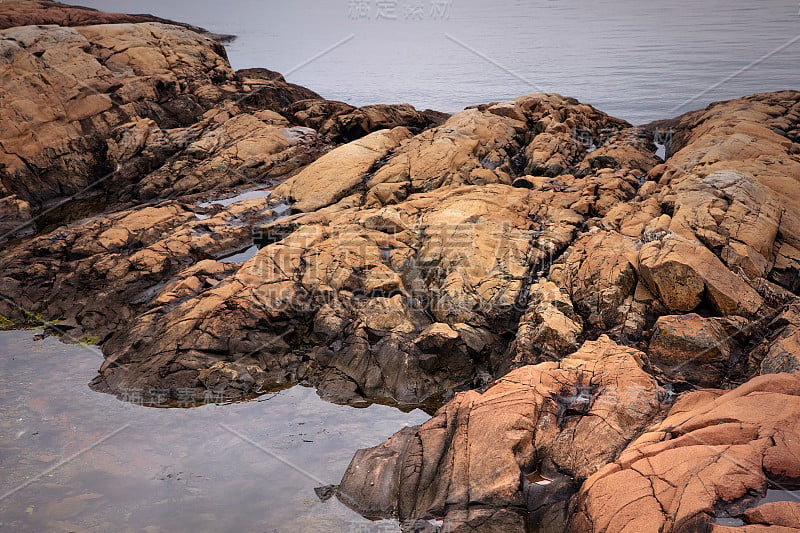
point(530, 270)
point(45, 12)
point(714, 455)
point(494, 461)
point(707, 234)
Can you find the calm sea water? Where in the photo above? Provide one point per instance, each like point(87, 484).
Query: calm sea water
point(76, 460)
point(635, 59)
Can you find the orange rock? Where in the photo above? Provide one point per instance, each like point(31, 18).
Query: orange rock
point(691, 347)
point(539, 423)
point(699, 459)
point(775, 513)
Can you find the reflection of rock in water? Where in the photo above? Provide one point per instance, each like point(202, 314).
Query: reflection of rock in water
point(170, 469)
point(549, 431)
point(326, 492)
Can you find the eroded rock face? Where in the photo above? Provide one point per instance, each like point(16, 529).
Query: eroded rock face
point(371, 284)
point(93, 109)
point(234, 148)
point(376, 273)
point(550, 327)
point(693, 348)
point(780, 351)
point(494, 461)
point(682, 273)
point(679, 243)
point(146, 250)
point(344, 295)
point(43, 12)
point(716, 453)
point(67, 89)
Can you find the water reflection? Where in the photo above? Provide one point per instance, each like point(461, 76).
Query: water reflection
point(214, 467)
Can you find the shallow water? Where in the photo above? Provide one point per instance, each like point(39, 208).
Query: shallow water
point(242, 256)
point(246, 195)
point(94, 463)
point(637, 60)
point(781, 495)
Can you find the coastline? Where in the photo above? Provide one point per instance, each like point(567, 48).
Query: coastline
point(574, 311)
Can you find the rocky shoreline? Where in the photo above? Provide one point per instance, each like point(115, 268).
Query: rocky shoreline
point(607, 339)
point(45, 12)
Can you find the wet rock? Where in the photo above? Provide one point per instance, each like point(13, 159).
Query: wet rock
point(411, 266)
point(786, 271)
point(780, 351)
point(691, 347)
point(547, 423)
point(15, 215)
point(156, 255)
point(714, 451)
point(372, 295)
point(428, 254)
point(369, 118)
point(261, 89)
point(326, 492)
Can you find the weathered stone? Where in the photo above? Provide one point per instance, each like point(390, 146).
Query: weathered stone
point(549, 329)
point(437, 336)
point(235, 148)
point(691, 347)
point(713, 451)
point(682, 273)
point(785, 514)
point(600, 274)
point(429, 254)
point(543, 422)
point(780, 351)
point(341, 122)
point(347, 165)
